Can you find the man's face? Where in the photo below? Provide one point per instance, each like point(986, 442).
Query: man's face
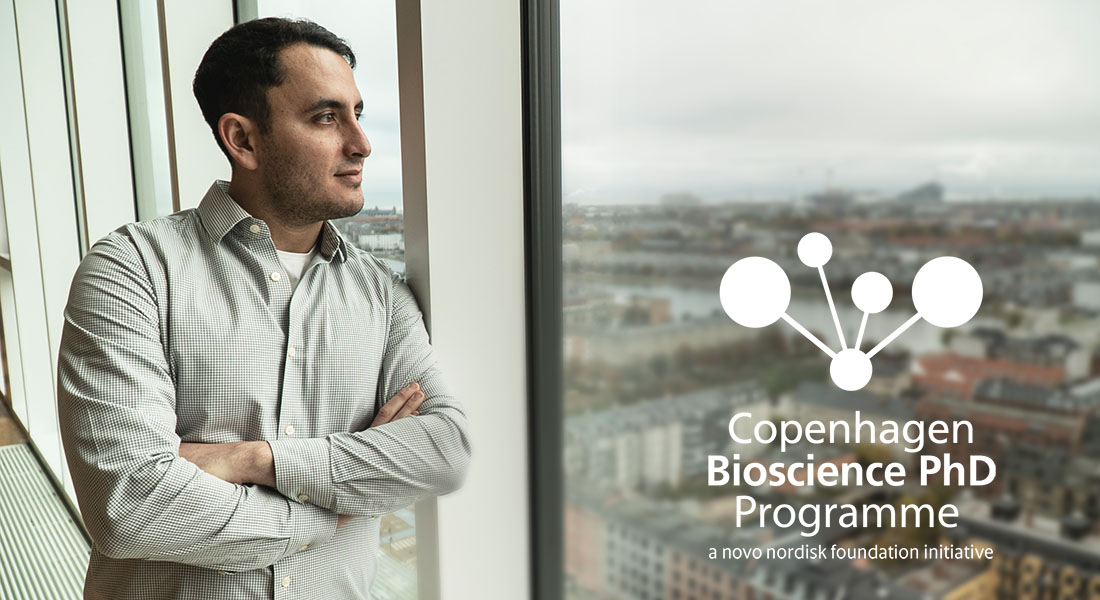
point(311, 158)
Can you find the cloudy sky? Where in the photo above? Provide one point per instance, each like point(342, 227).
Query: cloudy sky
point(755, 98)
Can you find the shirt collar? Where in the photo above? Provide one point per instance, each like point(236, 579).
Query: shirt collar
point(333, 246)
point(220, 214)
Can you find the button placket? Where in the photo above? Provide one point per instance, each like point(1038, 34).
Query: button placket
point(290, 417)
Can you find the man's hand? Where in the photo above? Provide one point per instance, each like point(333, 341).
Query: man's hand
point(252, 462)
point(235, 462)
point(404, 403)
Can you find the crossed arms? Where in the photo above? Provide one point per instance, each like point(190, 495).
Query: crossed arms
point(253, 462)
point(140, 495)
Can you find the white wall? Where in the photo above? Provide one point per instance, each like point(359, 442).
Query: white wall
point(462, 162)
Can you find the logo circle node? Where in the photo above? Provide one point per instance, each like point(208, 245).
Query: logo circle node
point(814, 250)
point(872, 292)
point(850, 369)
point(755, 292)
point(947, 291)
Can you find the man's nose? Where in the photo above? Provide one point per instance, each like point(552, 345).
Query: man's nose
point(357, 143)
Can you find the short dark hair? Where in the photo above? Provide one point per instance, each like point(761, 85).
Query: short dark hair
point(240, 66)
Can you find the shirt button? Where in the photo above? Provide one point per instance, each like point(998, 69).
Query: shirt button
point(303, 547)
point(289, 430)
point(291, 352)
point(286, 581)
point(220, 572)
point(276, 276)
point(255, 228)
point(303, 497)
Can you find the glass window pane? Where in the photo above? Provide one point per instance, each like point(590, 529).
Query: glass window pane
point(697, 134)
point(145, 97)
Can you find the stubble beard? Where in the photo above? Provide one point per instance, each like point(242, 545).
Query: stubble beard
point(296, 197)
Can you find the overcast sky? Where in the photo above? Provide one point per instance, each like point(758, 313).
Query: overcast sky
point(750, 98)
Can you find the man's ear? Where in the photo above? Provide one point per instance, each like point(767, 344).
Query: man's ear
point(239, 133)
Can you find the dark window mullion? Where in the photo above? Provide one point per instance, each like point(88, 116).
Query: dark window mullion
point(542, 195)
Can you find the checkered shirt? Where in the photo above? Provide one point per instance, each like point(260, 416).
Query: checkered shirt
point(186, 329)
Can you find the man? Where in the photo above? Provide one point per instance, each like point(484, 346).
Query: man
point(242, 392)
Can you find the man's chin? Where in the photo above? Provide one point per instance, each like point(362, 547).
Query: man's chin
point(358, 202)
point(350, 207)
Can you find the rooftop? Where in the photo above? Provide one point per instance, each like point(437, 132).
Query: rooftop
point(872, 405)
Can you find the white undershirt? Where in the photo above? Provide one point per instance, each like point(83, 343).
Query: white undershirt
point(296, 264)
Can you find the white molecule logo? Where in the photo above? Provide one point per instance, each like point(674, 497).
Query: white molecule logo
point(755, 292)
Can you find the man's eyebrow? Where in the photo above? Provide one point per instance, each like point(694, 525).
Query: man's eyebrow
point(330, 103)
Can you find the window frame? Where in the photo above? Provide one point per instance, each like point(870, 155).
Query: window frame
point(543, 206)
point(40, 216)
